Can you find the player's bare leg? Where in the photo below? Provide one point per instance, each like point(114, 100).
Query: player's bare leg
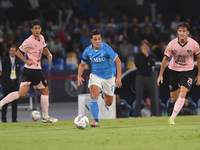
point(174, 95)
point(108, 99)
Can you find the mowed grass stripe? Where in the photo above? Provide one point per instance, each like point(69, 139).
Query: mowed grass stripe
point(122, 133)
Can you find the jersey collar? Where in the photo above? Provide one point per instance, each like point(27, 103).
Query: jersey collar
point(36, 39)
point(181, 44)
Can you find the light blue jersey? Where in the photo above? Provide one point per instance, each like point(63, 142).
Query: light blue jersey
point(102, 60)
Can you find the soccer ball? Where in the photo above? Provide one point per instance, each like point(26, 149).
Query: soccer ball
point(35, 115)
point(81, 122)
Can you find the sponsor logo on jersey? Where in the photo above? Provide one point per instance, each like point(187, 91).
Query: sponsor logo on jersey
point(99, 59)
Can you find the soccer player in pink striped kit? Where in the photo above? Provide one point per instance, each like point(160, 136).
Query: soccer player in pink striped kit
point(34, 47)
point(182, 74)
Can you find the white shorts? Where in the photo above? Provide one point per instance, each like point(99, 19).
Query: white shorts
point(106, 85)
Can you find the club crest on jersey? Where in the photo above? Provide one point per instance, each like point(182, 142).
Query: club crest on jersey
point(102, 54)
point(189, 51)
point(174, 51)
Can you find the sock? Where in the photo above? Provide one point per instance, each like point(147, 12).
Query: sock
point(45, 105)
point(94, 109)
point(177, 107)
point(10, 97)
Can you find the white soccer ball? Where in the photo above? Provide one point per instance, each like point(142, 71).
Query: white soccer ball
point(81, 122)
point(35, 115)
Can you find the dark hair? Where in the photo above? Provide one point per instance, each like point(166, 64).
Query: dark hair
point(13, 46)
point(144, 41)
point(35, 22)
point(184, 24)
point(95, 32)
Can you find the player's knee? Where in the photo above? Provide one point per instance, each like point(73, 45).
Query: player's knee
point(95, 96)
point(182, 94)
point(174, 98)
point(108, 103)
point(47, 92)
point(44, 92)
point(21, 95)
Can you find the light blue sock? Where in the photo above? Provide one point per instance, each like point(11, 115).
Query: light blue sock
point(94, 108)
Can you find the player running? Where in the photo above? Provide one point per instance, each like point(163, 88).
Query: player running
point(102, 78)
point(182, 74)
point(34, 47)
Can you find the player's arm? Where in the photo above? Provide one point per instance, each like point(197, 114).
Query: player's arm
point(47, 53)
point(198, 67)
point(119, 72)
point(20, 56)
point(80, 72)
point(162, 69)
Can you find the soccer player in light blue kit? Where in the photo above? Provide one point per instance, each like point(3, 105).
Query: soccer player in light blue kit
point(104, 63)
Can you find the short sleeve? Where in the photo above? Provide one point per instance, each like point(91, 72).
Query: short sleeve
point(196, 48)
point(111, 53)
point(84, 57)
point(24, 47)
point(168, 51)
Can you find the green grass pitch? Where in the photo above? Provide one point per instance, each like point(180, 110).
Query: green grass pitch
point(114, 134)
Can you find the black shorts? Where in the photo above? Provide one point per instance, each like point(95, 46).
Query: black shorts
point(34, 76)
point(182, 78)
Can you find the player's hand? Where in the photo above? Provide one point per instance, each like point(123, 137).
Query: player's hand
point(80, 79)
point(159, 80)
point(118, 83)
point(197, 80)
point(29, 62)
point(50, 57)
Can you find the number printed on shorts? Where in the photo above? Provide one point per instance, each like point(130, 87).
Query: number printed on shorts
point(112, 88)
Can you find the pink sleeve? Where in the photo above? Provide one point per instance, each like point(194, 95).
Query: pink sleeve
point(168, 50)
point(196, 48)
point(24, 47)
